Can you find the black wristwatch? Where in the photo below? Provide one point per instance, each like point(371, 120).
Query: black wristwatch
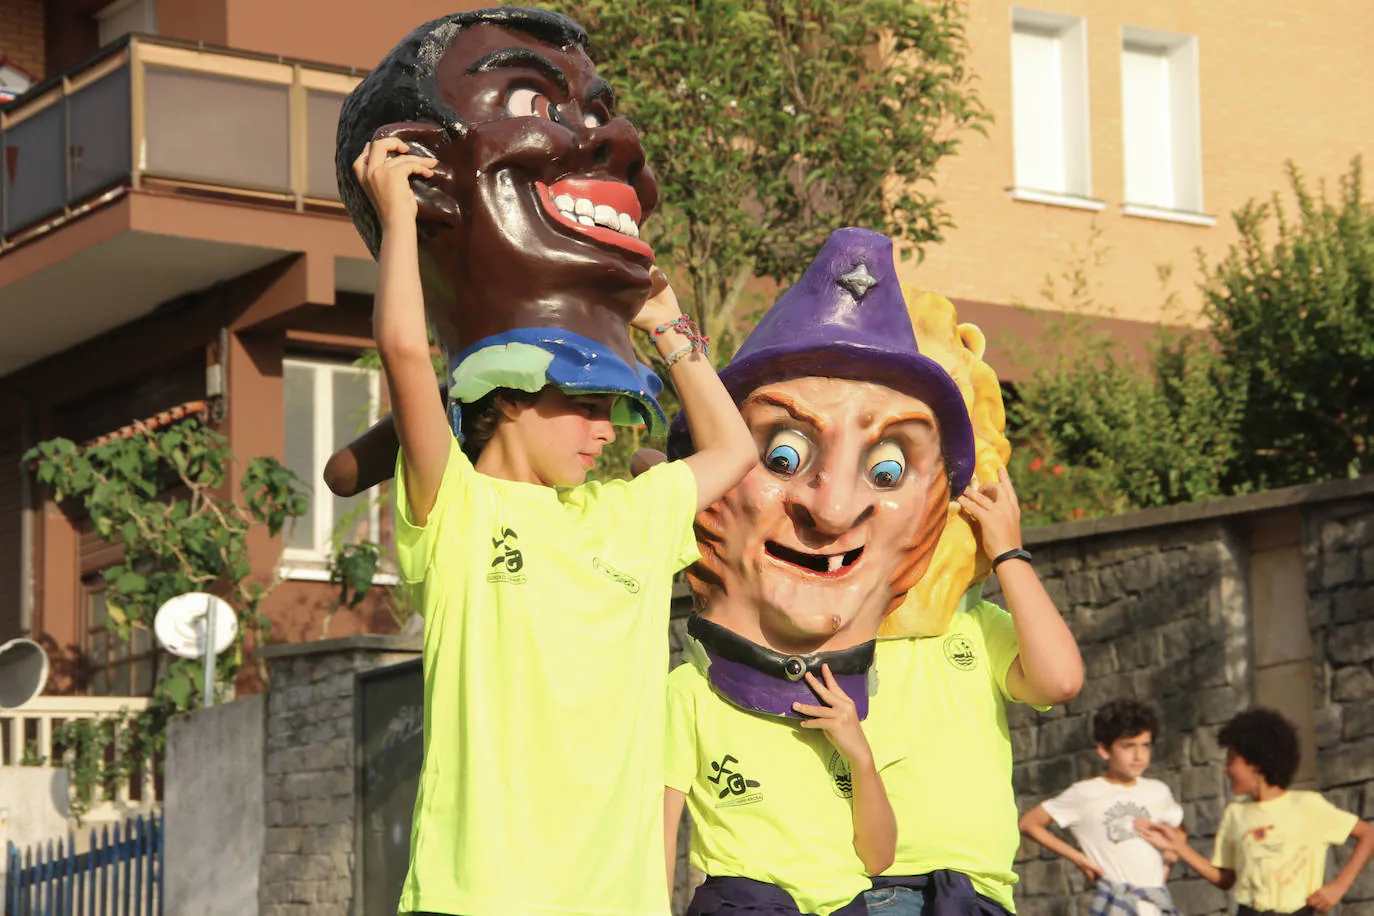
point(1018, 554)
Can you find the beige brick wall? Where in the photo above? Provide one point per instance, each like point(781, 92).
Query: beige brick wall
point(21, 34)
point(1277, 82)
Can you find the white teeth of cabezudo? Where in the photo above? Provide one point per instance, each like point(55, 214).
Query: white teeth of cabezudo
point(606, 216)
point(836, 562)
point(584, 212)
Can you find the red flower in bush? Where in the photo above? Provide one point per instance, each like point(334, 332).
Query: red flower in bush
point(1037, 463)
point(1057, 470)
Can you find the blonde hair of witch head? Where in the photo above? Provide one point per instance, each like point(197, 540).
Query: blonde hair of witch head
point(958, 562)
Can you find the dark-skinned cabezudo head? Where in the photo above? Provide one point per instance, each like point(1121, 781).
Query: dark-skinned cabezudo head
point(531, 220)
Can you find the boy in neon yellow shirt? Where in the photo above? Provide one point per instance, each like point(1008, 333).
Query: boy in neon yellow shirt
point(1271, 846)
point(545, 599)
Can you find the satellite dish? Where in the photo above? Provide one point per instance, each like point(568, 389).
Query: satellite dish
point(181, 624)
point(23, 672)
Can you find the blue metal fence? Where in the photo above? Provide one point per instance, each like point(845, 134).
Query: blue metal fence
point(119, 876)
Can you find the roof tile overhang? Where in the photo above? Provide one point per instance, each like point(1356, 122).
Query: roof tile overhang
point(197, 410)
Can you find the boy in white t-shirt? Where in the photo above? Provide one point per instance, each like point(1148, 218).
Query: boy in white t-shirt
point(1101, 813)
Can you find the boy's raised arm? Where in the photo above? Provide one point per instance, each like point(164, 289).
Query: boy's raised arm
point(398, 321)
point(1049, 668)
point(725, 450)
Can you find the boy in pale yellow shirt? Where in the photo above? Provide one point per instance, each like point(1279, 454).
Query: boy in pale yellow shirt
point(1271, 846)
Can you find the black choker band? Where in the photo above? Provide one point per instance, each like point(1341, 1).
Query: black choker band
point(755, 677)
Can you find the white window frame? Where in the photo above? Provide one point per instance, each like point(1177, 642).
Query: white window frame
point(312, 563)
point(1178, 55)
point(1073, 187)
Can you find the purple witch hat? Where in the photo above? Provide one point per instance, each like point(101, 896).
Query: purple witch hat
point(846, 318)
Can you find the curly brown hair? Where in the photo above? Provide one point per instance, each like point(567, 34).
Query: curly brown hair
point(481, 417)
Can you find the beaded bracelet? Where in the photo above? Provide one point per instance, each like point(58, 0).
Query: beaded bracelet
point(672, 359)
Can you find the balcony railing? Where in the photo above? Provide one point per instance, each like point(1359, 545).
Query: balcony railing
point(149, 111)
point(26, 738)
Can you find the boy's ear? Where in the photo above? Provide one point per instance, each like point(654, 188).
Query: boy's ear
point(1104, 752)
point(436, 197)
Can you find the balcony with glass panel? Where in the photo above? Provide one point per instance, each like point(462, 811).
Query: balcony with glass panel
point(157, 169)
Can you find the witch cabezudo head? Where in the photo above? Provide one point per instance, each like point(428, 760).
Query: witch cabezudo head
point(863, 441)
point(530, 255)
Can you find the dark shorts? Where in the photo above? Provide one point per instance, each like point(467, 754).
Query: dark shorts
point(1243, 910)
point(757, 898)
point(941, 893)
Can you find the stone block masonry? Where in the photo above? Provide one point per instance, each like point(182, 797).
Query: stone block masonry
point(1163, 608)
point(308, 785)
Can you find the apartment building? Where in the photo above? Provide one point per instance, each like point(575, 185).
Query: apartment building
point(172, 245)
point(1148, 121)
point(171, 241)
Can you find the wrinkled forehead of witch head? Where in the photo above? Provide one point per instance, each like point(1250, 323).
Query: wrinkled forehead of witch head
point(405, 86)
point(846, 319)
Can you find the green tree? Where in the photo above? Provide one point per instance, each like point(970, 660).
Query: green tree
point(771, 123)
point(1295, 320)
point(1276, 390)
point(1099, 432)
point(159, 494)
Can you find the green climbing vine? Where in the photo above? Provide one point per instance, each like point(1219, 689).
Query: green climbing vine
point(160, 495)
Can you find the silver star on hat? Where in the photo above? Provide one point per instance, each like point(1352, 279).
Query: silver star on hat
point(857, 282)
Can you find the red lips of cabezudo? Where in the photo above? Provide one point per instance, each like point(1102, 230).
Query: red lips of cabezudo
point(614, 194)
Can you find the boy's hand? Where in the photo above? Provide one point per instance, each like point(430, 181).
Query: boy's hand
point(384, 171)
point(660, 308)
point(994, 507)
point(839, 718)
point(1326, 896)
point(1160, 836)
point(1091, 870)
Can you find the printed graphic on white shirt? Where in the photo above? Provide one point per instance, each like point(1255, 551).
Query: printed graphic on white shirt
point(1101, 815)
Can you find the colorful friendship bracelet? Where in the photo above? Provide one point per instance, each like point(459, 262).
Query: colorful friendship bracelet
point(687, 328)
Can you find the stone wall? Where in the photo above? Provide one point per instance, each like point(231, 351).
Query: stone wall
point(1158, 616)
point(1198, 611)
point(1339, 549)
point(309, 783)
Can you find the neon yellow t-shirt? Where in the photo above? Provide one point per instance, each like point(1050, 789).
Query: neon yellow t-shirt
point(769, 800)
point(1277, 848)
point(952, 795)
point(545, 666)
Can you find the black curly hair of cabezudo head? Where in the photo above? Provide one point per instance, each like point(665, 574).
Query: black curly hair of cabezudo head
point(402, 88)
point(1123, 719)
point(1265, 739)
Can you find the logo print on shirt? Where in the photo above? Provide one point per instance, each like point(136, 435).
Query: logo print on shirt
point(736, 790)
point(508, 562)
point(1119, 820)
point(960, 653)
point(841, 777)
point(624, 580)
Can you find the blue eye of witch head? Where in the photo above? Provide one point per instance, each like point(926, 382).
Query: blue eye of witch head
point(885, 473)
point(783, 459)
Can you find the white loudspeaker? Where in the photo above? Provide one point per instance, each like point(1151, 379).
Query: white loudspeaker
point(23, 672)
